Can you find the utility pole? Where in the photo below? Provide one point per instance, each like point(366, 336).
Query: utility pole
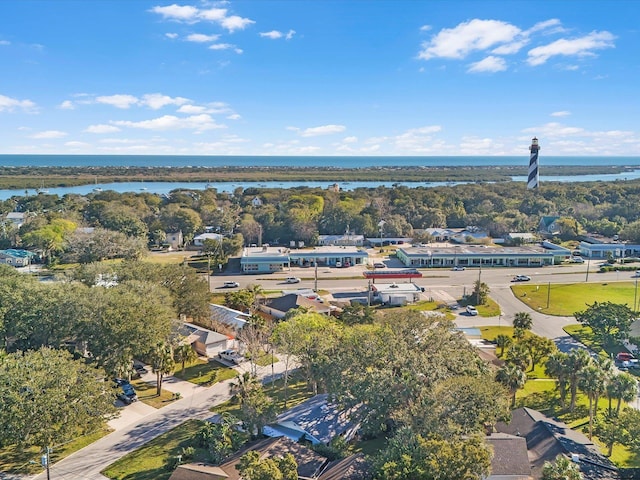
point(209, 270)
point(588, 264)
point(548, 294)
point(45, 461)
point(479, 283)
point(315, 281)
point(635, 296)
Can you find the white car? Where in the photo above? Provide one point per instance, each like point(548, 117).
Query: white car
point(471, 310)
point(230, 284)
point(521, 278)
point(231, 356)
point(458, 268)
point(292, 280)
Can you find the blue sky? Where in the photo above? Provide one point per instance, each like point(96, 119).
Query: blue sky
point(339, 77)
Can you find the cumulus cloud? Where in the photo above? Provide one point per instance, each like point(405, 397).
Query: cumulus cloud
point(118, 101)
point(351, 139)
point(579, 47)
point(275, 34)
point(101, 128)
point(563, 113)
point(202, 38)
point(48, 134)
point(467, 37)
point(488, 64)
point(321, 130)
point(191, 14)
point(414, 139)
point(170, 35)
point(67, 105)
point(157, 100)
point(234, 116)
point(8, 104)
point(5, 42)
point(197, 123)
point(193, 109)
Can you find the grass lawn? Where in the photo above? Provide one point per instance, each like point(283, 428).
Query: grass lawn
point(566, 299)
point(27, 460)
point(489, 309)
point(147, 394)
point(426, 306)
point(585, 335)
point(265, 359)
point(298, 392)
point(205, 373)
point(149, 461)
point(166, 258)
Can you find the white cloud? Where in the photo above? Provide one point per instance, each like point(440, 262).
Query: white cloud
point(414, 139)
point(220, 46)
point(198, 123)
point(563, 113)
point(351, 139)
point(234, 116)
point(275, 34)
point(170, 35)
point(191, 14)
point(193, 109)
point(48, 134)
point(8, 104)
point(157, 100)
point(202, 38)
point(554, 24)
point(425, 28)
point(321, 130)
point(467, 37)
point(5, 42)
point(488, 64)
point(118, 101)
point(235, 22)
point(183, 13)
point(510, 48)
point(101, 128)
point(67, 105)
point(580, 47)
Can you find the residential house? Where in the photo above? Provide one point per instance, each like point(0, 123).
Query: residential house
point(278, 307)
point(310, 464)
point(206, 342)
point(548, 226)
point(510, 459)
point(353, 467)
point(233, 319)
point(16, 257)
point(256, 202)
point(547, 438)
point(520, 238)
point(199, 240)
point(175, 240)
point(346, 239)
point(317, 420)
point(470, 235)
point(16, 218)
point(438, 234)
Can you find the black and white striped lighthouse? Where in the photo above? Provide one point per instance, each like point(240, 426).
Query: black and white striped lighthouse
point(533, 180)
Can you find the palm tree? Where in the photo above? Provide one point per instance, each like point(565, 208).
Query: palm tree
point(577, 360)
point(523, 320)
point(512, 377)
point(519, 355)
point(592, 381)
point(622, 387)
point(561, 469)
point(258, 292)
point(162, 363)
point(502, 341)
point(556, 367)
point(243, 386)
point(184, 353)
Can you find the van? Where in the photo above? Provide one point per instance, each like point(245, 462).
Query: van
point(338, 264)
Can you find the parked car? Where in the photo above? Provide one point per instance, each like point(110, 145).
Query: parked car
point(123, 398)
point(521, 278)
point(231, 356)
point(624, 357)
point(140, 369)
point(121, 381)
point(379, 265)
point(292, 280)
point(338, 264)
point(230, 284)
point(458, 268)
point(130, 392)
point(471, 310)
point(576, 260)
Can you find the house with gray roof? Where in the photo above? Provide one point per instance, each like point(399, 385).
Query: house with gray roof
point(206, 342)
point(547, 438)
point(317, 420)
point(234, 319)
point(510, 459)
point(16, 257)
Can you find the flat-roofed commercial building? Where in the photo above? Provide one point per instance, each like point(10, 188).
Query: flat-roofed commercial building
point(332, 256)
point(264, 259)
point(482, 255)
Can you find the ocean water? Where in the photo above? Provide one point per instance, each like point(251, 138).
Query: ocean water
point(297, 161)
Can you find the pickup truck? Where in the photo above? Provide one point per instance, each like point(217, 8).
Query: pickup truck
point(231, 356)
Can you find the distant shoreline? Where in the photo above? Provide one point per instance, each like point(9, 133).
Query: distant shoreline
point(24, 177)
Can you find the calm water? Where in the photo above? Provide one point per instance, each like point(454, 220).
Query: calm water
point(302, 161)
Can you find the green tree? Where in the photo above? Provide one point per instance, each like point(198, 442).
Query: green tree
point(561, 469)
point(523, 320)
point(480, 292)
point(184, 353)
point(577, 360)
point(539, 348)
point(557, 366)
point(592, 381)
point(48, 398)
point(220, 439)
point(50, 238)
point(610, 322)
point(612, 430)
point(502, 341)
point(357, 313)
point(253, 467)
point(512, 377)
point(622, 387)
point(162, 363)
point(519, 355)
